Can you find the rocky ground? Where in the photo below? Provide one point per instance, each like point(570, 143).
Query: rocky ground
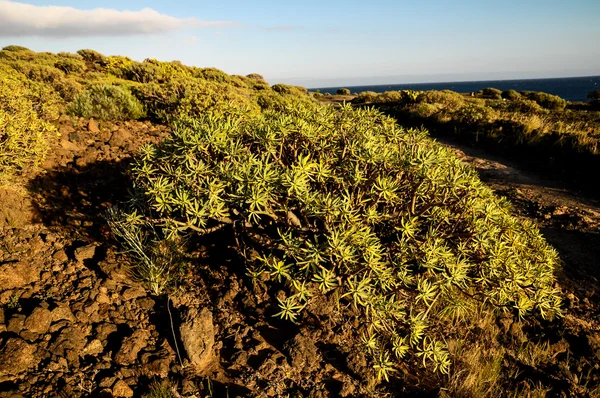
point(75, 322)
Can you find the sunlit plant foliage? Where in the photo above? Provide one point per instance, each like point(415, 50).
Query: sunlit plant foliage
point(347, 204)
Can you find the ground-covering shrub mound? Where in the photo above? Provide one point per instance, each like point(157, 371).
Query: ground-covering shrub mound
point(490, 93)
point(190, 97)
point(346, 204)
point(107, 102)
point(510, 95)
point(23, 133)
point(343, 91)
point(546, 100)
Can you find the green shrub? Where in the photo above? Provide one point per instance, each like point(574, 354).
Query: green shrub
point(594, 97)
point(298, 91)
point(38, 72)
point(93, 59)
point(106, 102)
point(474, 114)
point(212, 74)
point(70, 65)
point(511, 95)
point(345, 204)
point(343, 91)
point(490, 93)
point(545, 100)
point(23, 134)
point(524, 106)
point(389, 97)
point(256, 76)
point(446, 98)
point(13, 48)
point(190, 97)
point(366, 97)
point(425, 110)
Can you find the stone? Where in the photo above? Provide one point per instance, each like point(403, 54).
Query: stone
point(16, 357)
point(85, 253)
point(198, 337)
point(70, 146)
point(69, 343)
point(83, 161)
point(19, 274)
point(103, 330)
point(102, 298)
point(120, 138)
point(146, 303)
point(62, 312)
point(131, 347)
point(133, 293)
point(107, 382)
point(93, 126)
point(15, 324)
point(121, 389)
point(94, 347)
point(39, 321)
point(64, 118)
point(159, 367)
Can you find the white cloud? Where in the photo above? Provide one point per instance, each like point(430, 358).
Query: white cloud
point(21, 19)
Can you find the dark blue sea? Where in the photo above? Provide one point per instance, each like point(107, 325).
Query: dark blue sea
point(568, 88)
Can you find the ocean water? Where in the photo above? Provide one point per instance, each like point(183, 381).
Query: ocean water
point(568, 88)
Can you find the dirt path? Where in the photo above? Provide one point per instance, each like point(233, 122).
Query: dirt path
point(569, 220)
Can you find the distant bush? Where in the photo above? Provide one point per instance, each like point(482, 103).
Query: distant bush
point(24, 134)
point(365, 97)
point(189, 96)
point(510, 95)
point(290, 90)
point(256, 76)
point(490, 93)
point(39, 72)
point(389, 97)
point(106, 102)
point(474, 114)
point(426, 110)
point(93, 59)
point(546, 100)
point(212, 74)
point(524, 106)
point(69, 55)
point(14, 48)
point(594, 97)
point(343, 204)
point(449, 99)
point(70, 65)
point(343, 91)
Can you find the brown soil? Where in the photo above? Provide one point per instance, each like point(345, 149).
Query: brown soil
point(74, 321)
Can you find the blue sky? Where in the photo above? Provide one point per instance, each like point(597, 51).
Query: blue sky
point(327, 42)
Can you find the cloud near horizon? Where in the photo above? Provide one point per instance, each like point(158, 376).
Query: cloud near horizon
point(21, 19)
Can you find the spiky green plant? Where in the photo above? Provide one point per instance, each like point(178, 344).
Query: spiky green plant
point(347, 204)
point(107, 102)
point(24, 135)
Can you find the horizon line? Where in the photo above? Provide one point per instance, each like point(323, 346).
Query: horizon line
point(452, 81)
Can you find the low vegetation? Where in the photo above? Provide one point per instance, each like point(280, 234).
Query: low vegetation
point(345, 203)
point(539, 125)
point(320, 204)
point(24, 134)
point(106, 102)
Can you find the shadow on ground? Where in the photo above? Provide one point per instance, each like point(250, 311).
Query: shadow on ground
point(75, 198)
